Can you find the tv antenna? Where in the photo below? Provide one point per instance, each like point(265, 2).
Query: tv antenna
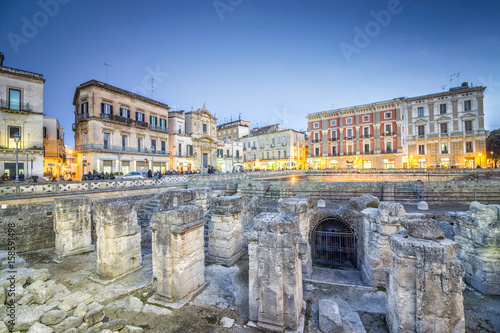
point(443, 87)
point(454, 75)
point(107, 65)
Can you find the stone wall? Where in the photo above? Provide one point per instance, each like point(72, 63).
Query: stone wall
point(178, 254)
point(378, 224)
point(424, 285)
point(72, 224)
point(275, 272)
point(118, 239)
point(478, 233)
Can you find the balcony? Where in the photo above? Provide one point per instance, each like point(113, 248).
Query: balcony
point(6, 105)
point(470, 150)
point(333, 139)
point(388, 134)
point(367, 153)
point(141, 123)
point(389, 151)
point(350, 153)
point(121, 149)
point(367, 136)
point(81, 116)
point(158, 128)
point(444, 151)
point(333, 155)
point(254, 147)
point(316, 141)
point(349, 138)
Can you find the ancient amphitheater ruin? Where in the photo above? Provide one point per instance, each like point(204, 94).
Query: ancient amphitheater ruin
point(293, 251)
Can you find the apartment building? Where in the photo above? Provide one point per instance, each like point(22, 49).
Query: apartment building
point(53, 142)
point(233, 130)
point(364, 136)
point(229, 156)
point(181, 145)
point(446, 129)
point(440, 130)
point(274, 149)
point(119, 131)
point(21, 113)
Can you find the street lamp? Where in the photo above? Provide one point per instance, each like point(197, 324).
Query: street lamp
point(27, 151)
point(17, 138)
point(492, 160)
point(480, 159)
point(152, 158)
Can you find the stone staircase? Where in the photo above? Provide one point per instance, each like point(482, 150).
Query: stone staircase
point(144, 219)
point(408, 192)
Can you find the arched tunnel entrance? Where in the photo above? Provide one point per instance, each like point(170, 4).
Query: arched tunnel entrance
point(334, 244)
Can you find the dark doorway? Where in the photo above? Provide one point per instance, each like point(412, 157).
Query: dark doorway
point(205, 160)
point(334, 244)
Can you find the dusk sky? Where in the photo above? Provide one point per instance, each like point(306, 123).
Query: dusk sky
point(272, 60)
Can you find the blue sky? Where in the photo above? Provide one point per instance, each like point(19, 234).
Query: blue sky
point(272, 60)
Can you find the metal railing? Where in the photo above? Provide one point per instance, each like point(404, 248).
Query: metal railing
point(119, 149)
point(5, 104)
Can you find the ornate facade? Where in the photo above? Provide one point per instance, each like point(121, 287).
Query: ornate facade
point(201, 127)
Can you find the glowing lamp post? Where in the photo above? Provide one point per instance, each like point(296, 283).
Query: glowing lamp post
point(480, 159)
point(17, 138)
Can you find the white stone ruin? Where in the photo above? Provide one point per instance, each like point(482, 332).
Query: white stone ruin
point(72, 225)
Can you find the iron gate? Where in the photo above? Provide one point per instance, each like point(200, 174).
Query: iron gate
point(334, 244)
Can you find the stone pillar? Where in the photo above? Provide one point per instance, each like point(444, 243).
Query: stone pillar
point(302, 206)
point(275, 272)
point(173, 198)
point(201, 197)
point(424, 285)
point(225, 242)
point(72, 225)
point(478, 233)
point(388, 191)
point(118, 239)
point(378, 224)
point(178, 255)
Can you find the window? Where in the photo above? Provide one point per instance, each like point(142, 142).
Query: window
point(421, 149)
point(45, 132)
point(179, 129)
point(163, 123)
point(349, 149)
point(279, 140)
point(334, 135)
point(14, 99)
point(334, 151)
point(204, 128)
point(333, 122)
point(267, 155)
point(367, 147)
point(388, 129)
point(284, 153)
point(279, 153)
point(442, 108)
point(420, 112)
point(153, 144)
point(84, 108)
point(153, 120)
point(421, 130)
point(124, 141)
point(349, 133)
point(234, 130)
point(227, 153)
point(237, 154)
point(468, 147)
point(366, 132)
point(139, 144)
point(366, 118)
point(316, 125)
point(316, 151)
point(106, 141)
point(444, 148)
point(387, 115)
point(388, 147)
point(139, 116)
point(316, 137)
point(125, 113)
point(444, 127)
point(389, 164)
point(106, 108)
point(467, 105)
point(468, 125)
point(179, 150)
point(348, 121)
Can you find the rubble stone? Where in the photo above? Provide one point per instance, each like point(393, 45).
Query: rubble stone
point(40, 328)
point(53, 317)
point(330, 320)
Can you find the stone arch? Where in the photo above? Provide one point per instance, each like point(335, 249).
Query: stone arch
point(333, 243)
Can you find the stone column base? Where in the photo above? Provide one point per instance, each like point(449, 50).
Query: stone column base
point(228, 262)
point(167, 302)
point(82, 250)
